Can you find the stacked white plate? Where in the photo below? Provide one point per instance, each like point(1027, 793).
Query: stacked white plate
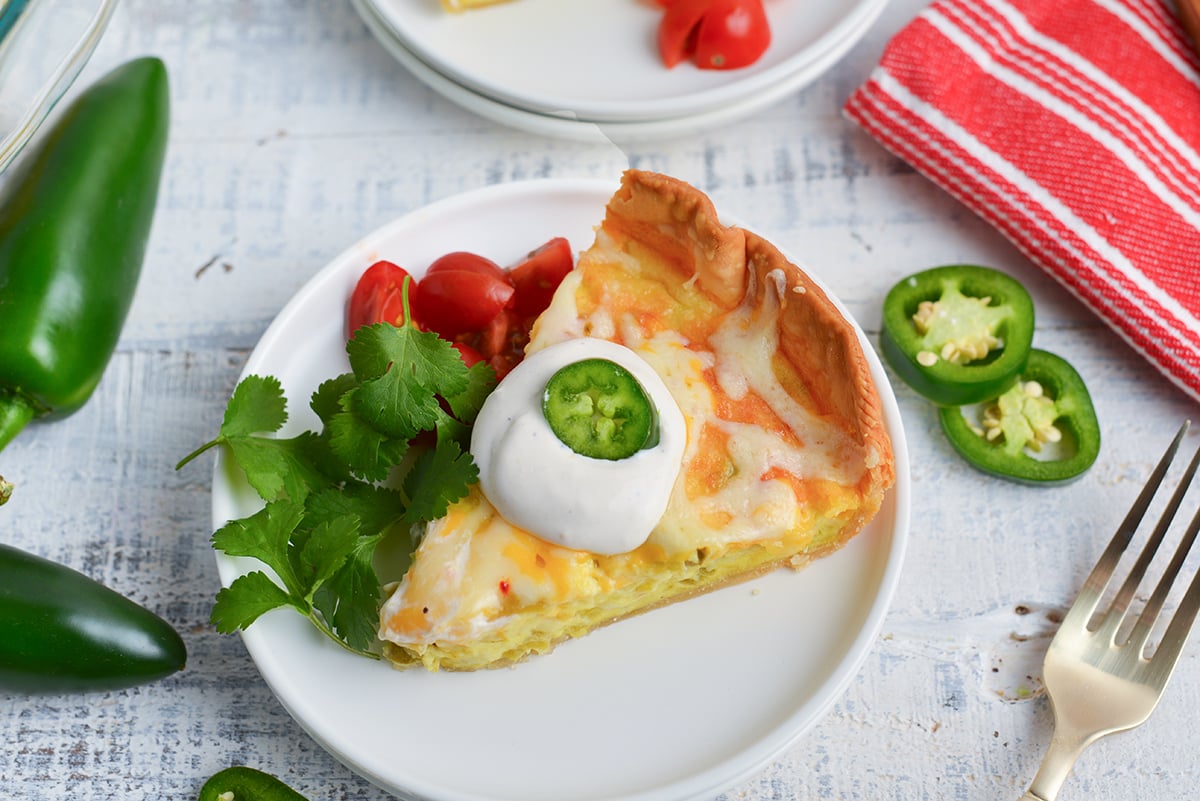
point(588, 69)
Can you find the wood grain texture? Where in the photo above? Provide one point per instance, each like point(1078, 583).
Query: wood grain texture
point(293, 135)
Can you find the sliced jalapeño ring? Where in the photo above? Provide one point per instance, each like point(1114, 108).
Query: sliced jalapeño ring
point(598, 409)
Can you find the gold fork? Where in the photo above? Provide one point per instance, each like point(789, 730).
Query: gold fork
point(1098, 684)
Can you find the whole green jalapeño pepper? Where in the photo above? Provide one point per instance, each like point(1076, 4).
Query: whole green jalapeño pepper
point(1043, 430)
point(60, 631)
point(74, 220)
point(957, 334)
point(246, 784)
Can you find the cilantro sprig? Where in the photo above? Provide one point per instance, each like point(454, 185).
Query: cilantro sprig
point(331, 496)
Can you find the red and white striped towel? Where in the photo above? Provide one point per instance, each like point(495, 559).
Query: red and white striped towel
point(1073, 126)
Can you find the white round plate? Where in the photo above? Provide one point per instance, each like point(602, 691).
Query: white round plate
point(680, 703)
point(565, 126)
point(598, 59)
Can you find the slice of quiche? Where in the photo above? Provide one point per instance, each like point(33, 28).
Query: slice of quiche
point(786, 454)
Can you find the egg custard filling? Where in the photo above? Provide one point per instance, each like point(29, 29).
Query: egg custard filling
point(784, 453)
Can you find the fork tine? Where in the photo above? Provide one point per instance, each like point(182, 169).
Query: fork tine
point(1089, 597)
point(1145, 623)
point(1116, 613)
point(1163, 662)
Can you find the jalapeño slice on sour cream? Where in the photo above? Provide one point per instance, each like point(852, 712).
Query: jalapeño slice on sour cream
point(604, 491)
point(598, 409)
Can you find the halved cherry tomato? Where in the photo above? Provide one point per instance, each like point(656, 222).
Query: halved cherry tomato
point(536, 278)
point(470, 262)
point(718, 34)
point(378, 297)
point(453, 302)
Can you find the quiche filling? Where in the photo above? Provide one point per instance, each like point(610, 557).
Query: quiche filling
point(780, 465)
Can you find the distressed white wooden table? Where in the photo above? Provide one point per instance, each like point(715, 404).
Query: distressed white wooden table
point(293, 134)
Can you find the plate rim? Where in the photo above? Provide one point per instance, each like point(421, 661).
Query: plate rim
point(770, 742)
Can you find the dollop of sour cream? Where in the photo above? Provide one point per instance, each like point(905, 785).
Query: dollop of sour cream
point(539, 484)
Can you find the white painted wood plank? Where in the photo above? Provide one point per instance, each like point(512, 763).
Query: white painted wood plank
point(294, 134)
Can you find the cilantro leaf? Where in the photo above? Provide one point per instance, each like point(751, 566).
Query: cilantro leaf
point(326, 400)
point(243, 601)
point(394, 407)
point(265, 536)
point(376, 507)
point(438, 478)
point(402, 371)
point(449, 429)
point(327, 468)
point(465, 405)
point(368, 453)
point(257, 405)
point(349, 600)
point(326, 551)
point(279, 468)
point(432, 362)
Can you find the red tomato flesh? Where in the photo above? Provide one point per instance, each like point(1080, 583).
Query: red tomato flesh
point(536, 278)
point(733, 34)
point(677, 31)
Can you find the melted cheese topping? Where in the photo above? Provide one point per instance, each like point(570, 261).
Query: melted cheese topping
point(760, 471)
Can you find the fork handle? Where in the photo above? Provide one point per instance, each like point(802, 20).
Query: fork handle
point(1064, 749)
